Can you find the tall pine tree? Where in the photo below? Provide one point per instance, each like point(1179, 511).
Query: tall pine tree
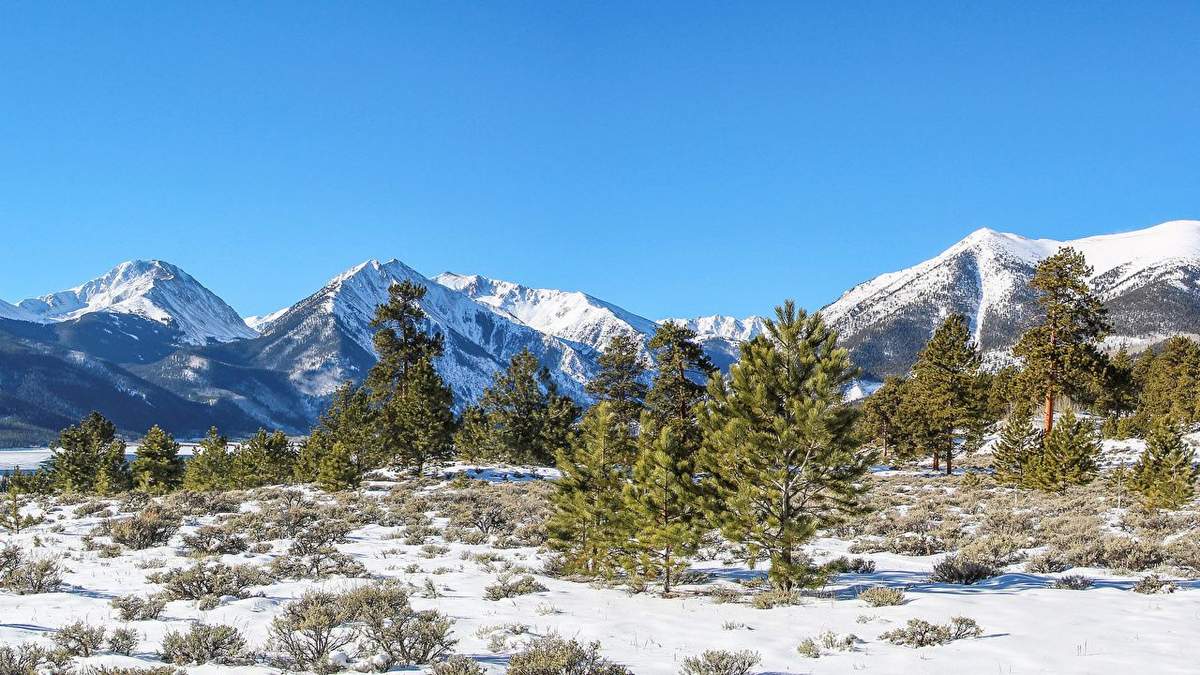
point(264, 459)
point(211, 468)
point(82, 453)
point(682, 369)
point(779, 451)
point(621, 378)
point(1060, 353)
point(1068, 457)
point(1018, 446)
point(881, 415)
point(943, 385)
point(588, 524)
point(348, 421)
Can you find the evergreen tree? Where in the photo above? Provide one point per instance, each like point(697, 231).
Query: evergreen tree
point(1170, 384)
point(411, 403)
point(1068, 457)
point(80, 454)
point(211, 468)
point(1060, 353)
point(943, 382)
point(521, 418)
point(157, 468)
point(474, 441)
point(678, 385)
point(1018, 446)
point(349, 421)
point(425, 412)
point(1165, 476)
point(881, 415)
point(112, 474)
point(663, 505)
point(621, 378)
point(340, 468)
point(1115, 396)
point(264, 459)
point(779, 453)
point(587, 524)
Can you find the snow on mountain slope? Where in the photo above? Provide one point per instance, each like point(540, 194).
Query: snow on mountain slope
point(258, 321)
point(151, 289)
point(571, 315)
point(327, 338)
point(9, 311)
point(1149, 279)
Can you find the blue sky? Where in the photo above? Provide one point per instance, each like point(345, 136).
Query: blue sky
point(676, 159)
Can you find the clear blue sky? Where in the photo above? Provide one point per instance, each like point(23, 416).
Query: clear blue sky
point(677, 159)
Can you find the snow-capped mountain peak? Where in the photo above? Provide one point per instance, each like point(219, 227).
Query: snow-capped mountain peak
point(571, 315)
point(151, 289)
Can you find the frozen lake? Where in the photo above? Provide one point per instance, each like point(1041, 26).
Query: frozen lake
point(28, 459)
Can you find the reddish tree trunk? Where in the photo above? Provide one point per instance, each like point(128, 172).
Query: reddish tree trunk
point(1048, 422)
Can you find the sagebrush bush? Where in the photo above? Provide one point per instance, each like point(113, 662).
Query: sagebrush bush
point(152, 526)
point(511, 588)
point(1047, 562)
point(309, 629)
point(122, 641)
point(720, 662)
point(204, 643)
point(957, 569)
point(1152, 584)
point(921, 633)
point(25, 576)
point(79, 639)
point(1072, 582)
point(457, 665)
point(553, 655)
point(138, 608)
point(882, 596)
point(212, 579)
point(28, 658)
point(215, 540)
point(391, 631)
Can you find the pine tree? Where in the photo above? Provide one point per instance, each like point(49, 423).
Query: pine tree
point(348, 420)
point(1170, 383)
point(425, 412)
point(211, 468)
point(1060, 353)
point(1019, 444)
point(779, 452)
point(11, 517)
point(587, 524)
point(112, 474)
point(678, 385)
point(79, 454)
point(521, 418)
point(621, 378)
point(663, 504)
point(340, 469)
point(1115, 395)
point(881, 415)
point(157, 468)
point(264, 459)
point(943, 380)
point(1165, 476)
point(1068, 457)
point(475, 439)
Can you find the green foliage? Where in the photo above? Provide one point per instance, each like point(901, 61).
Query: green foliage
point(881, 420)
point(264, 459)
point(88, 457)
point(204, 643)
point(1169, 383)
point(941, 397)
point(157, 468)
point(1018, 446)
point(1165, 476)
point(340, 468)
point(1068, 457)
point(778, 449)
point(588, 521)
point(553, 655)
point(621, 378)
point(663, 507)
point(1060, 353)
point(520, 419)
point(679, 384)
point(211, 468)
point(348, 422)
point(720, 662)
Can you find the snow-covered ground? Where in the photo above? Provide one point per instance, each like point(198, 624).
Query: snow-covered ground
point(1028, 627)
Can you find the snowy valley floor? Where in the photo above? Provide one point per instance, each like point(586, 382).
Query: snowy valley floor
point(415, 534)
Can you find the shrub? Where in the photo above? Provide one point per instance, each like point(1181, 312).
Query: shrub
point(512, 588)
point(311, 628)
point(123, 641)
point(882, 596)
point(138, 608)
point(150, 527)
point(119, 670)
point(1046, 563)
point(213, 540)
point(808, 648)
point(553, 655)
point(216, 579)
point(392, 631)
point(957, 569)
point(920, 633)
point(843, 565)
point(29, 577)
point(720, 662)
point(457, 665)
point(1152, 584)
point(79, 639)
point(318, 566)
point(31, 659)
point(204, 643)
point(1072, 582)
point(776, 598)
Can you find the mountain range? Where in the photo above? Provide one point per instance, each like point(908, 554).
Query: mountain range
point(147, 343)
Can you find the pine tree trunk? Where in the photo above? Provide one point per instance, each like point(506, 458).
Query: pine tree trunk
point(949, 454)
point(935, 459)
point(1048, 422)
